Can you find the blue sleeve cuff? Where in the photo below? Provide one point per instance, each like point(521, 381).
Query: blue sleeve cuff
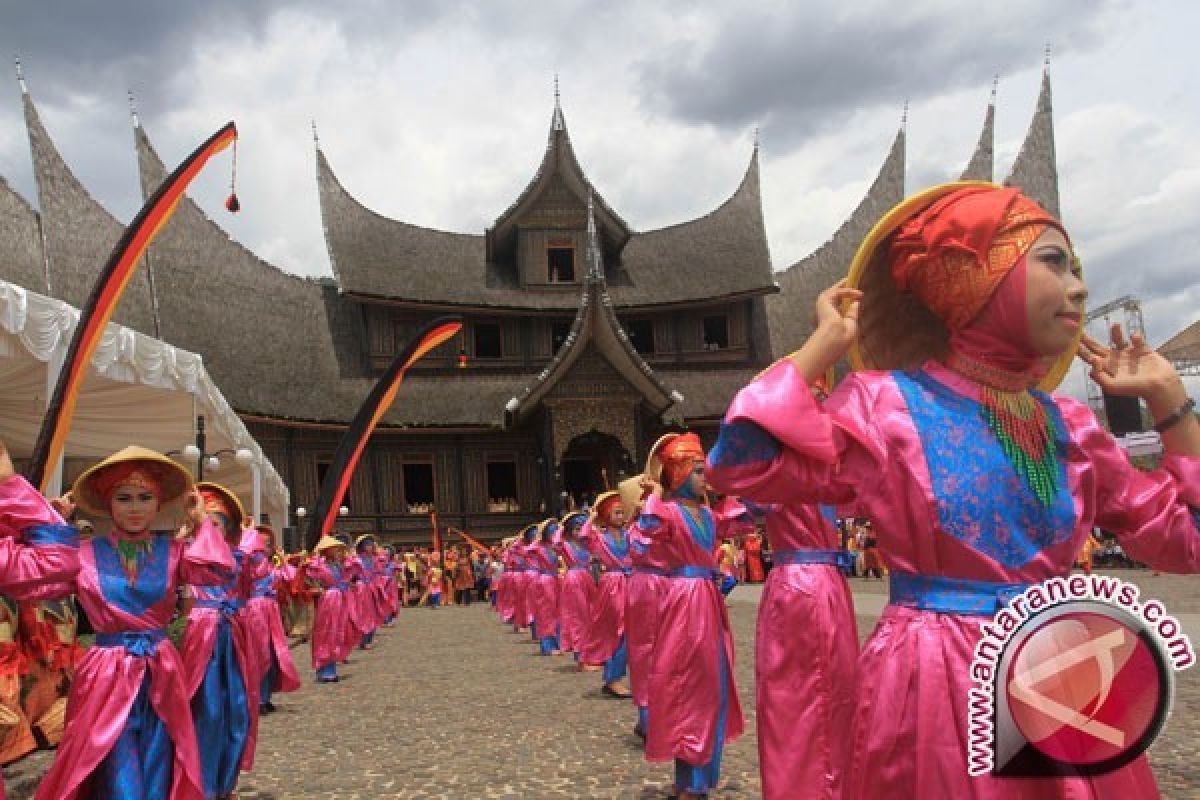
point(649, 522)
point(52, 534)
point(743, 442)
point(728, 582)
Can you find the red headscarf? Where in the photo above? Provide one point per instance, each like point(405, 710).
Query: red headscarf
point(141, 474)
point(604, 508)
point(954, 254)
point(679, 457)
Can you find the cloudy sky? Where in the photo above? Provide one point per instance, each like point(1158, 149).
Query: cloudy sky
point(436, 112)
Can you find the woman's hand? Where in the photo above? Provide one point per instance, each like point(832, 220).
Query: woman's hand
point(837, 314)
point(65, 506)
point(649, 487)
point(837, 327)
point(1133, 369)
point(193, 506)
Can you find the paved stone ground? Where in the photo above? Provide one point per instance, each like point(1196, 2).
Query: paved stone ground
point(450, 704)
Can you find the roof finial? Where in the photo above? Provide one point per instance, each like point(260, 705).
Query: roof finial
point(595, 266)
point(316, 140)
point(904, 117)
point(20, 76)
point(1046, 58)
point(756, 132)
point(559, 123)
point(137, 123)
point(995, 86)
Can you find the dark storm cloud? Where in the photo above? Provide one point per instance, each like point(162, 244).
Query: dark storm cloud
point(799, 70)
point(73, 48)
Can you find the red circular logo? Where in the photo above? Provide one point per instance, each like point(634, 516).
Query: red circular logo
point(1085, 688)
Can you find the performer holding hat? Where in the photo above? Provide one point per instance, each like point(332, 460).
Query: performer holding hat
point(964, 308)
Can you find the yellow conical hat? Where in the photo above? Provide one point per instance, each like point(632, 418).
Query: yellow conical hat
point(174, 478)
point(327, 542)
point(894, 330)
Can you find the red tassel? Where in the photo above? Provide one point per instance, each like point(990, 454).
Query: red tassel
point(232, 204)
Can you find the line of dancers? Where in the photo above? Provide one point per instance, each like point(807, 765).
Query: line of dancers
point(963, 310)
point(657, 613)
point(143, 720)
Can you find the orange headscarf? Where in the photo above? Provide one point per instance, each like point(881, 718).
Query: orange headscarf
point(216, 502)
point(955, 253)
point(679, 457)
point(141, 474)
point(604, 507)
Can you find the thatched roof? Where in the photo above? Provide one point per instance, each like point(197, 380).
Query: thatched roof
point(79, 232)
point(1036, 169)
point(1183, 346)
point(982, 167)
point(20, 241)
point(596, 326)
point(721, 255)
point(790, 313)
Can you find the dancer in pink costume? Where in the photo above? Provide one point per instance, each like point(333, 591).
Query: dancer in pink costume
point(39, 550)
point(333, 636)
point(543, 590)
point(577, 589)
point(694, 709)
point(271, 664)
point(129, 729)
point(1000, 482)
point(606, 536)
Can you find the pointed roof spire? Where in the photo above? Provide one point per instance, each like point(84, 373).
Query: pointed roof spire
point(316, 139)
point(756, 138)
point(133, 114)
point(995, 86)
point(1046, 58)
point(21, 76)
point(904, 117)
point(1035, 170)
point(982, 165)
point(595, 262)
point(558, 123)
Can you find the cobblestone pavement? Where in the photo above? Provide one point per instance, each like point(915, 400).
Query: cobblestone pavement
point(451, 705)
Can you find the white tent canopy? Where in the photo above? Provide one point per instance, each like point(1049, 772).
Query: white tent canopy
point(139, 390)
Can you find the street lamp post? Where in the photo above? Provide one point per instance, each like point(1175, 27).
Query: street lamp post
point(195, 452)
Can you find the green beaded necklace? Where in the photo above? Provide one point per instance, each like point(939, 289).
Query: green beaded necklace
point(1025, 430)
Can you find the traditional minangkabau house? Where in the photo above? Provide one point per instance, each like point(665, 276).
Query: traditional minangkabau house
point(584, 339)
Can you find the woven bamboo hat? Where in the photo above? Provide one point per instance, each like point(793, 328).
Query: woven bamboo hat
point(89, 493)
point(894, 330)
point(654, 460)
point(228, 495)
point(326, 543)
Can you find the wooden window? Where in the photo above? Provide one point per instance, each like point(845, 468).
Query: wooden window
point(322, 471)
point(558, 334)
point(418, 486)
point(488, 340)
point(716, 332)
point(641, 335)
point(560, 263)
point(502, 486)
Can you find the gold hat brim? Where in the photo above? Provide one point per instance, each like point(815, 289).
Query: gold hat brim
point(326, 542)
point(631, 493)
point(894, 330)
point(176, 480)
point(654, 460)
point(229, 496)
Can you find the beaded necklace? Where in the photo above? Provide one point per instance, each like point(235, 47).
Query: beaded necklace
point(132, 554)
point(1021, 425)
